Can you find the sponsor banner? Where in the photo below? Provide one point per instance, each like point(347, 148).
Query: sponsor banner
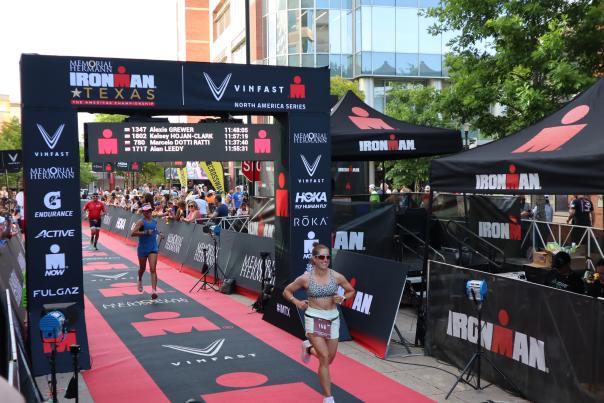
point(284, 314)
point(182, 176)
point(371, 313)
point(203, 250)
point(350, 177)
point(535, 335)
point(213, 170)
point(367, 234)
point(141, 141)
point(262, 222)
point(496, 219)
point(244, 261)
point(10, 160)
point(177, 238)
point(51, 162)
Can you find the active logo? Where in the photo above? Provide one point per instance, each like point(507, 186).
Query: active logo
point(509, 181)
point(55, 262)
point(217, 90)
point(349, 240)
point(57, 233)
point(51, 140)
point(499, 338)
point(52, 200)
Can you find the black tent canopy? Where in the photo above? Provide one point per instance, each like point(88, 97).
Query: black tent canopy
point(561, 154)
point(360, 133)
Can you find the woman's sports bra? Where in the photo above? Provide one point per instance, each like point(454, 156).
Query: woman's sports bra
point(316, 290)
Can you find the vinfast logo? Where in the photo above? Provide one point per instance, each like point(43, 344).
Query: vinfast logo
point(52, 200)
point(52, 173)
point(499, 338)
point(217, 90)
point(13, 157)
point(58, 233)
point(54, 292)
point(311, 169)
point(207, 354)
point(349, 240)
point(392, 144)
point(310, 200)
point(51, 140)
point(173, 243)
point(499, 230)
point(120, 223)
point(509, 181)
point(361, 302)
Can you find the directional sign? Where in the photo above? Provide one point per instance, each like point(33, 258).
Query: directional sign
point(137, 141)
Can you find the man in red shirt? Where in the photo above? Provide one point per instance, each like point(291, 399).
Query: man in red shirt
point(95, 210)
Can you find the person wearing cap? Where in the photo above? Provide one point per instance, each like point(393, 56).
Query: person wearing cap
point(95, 210)
point(146, 231)
point(211, 197)
point(563, 277)
point(374, 196)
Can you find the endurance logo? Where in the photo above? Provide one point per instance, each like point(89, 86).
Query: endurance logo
point(499, 339)
point(509, 181)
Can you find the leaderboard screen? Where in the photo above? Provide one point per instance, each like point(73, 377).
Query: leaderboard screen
point(144, 142)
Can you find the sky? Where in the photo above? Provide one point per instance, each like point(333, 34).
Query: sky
point(137, 29)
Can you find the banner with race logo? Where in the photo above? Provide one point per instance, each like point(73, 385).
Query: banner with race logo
point(214, 171)
point(350, 177)
point(496, 219)
point(12, 276)
point(208, 249)
point(363, 228)
point(548, 342)
point(177, 239)
point(379, 284)
point(262, 221)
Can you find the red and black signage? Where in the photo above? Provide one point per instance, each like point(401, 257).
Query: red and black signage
point(10, 160)
point(546, 341)
point(349, 177)
point(371, 313)
point(496, 219)
point(561, 154)
point(129, 142)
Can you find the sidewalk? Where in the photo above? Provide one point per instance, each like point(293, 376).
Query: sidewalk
point(424, 374)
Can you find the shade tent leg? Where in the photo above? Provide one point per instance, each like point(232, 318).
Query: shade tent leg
point(420, 330)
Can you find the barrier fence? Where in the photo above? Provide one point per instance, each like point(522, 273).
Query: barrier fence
point(546, 341)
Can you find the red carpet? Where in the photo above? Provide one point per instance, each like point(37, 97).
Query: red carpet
point(116, 372)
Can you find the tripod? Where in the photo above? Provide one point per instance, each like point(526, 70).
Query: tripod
point(265, 285)
point(476, 361)
point(204, 271)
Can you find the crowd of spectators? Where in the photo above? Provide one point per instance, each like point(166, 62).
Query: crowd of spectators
point(173, 204)
point(11, 213)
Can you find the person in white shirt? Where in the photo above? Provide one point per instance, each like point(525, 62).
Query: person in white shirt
point(202, 204)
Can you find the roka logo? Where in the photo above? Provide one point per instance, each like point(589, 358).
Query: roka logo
point(52, 200)
point(349, 240)
point(509, 181)
point(51, 140)
point(499, 339)
point(217, 91)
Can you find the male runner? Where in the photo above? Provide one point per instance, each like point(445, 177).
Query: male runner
point(95, 211)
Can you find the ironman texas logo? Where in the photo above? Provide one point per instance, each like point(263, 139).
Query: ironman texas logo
point(511, 180)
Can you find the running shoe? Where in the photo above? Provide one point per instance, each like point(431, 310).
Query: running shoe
point(329, 400)
point(304, 354)
point(140, 286)
point(154, 296)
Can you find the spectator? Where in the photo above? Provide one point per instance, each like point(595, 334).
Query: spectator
point(221, 209)
point(374, 196)
point(243, 210)
point(194, 214)
point(181, 211)
point(237, 197)
point(581, 212)
point(562, 276)
point(595, 286)
point(548, 210)
point(525, 209)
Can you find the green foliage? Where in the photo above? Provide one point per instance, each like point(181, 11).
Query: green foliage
point(340, 86)
point(421, 106)
point(529, 57)
point(10, 135)
point(86, 175)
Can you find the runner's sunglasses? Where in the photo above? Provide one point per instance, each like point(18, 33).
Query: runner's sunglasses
point(323, 257)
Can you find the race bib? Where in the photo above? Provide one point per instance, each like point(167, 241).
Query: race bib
point(322, 327)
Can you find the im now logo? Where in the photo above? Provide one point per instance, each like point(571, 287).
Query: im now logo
point(217, 90)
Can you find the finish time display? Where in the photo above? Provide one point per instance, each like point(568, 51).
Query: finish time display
point(130, 142)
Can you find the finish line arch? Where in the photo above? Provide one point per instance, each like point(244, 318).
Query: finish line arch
point(55, 88)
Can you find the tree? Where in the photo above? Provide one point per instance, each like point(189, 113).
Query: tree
point(86, 175)
point(418, 105)
point(529, 57)
point(340, 86)
point(10, 139)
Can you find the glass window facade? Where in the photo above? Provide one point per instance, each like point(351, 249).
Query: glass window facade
point(355, 38)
